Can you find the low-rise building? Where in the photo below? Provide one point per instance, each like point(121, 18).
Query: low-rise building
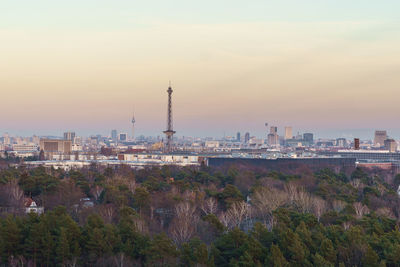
point(30, 206)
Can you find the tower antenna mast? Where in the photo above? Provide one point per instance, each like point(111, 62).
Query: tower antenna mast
point(133, 124)
point(170, 131)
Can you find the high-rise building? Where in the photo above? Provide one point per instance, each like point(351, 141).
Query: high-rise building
point(273, 138)
point(123, 137)
point(69, 136)
point(114, 135)
point(391, 145)
point(356, 143)
point(238, 136)
point(341, 142)
point(6, 139)
point(380, 137)
point(247, 137)
point(288, 132)
point(309, 137)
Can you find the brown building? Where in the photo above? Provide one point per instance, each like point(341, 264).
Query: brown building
point(273, 138)
point(380, 137)
point(356, 143)
point(390, 145)
point(53, 147)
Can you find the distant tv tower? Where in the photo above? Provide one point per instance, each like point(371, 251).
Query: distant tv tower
point(133, 125)
point(169, 132)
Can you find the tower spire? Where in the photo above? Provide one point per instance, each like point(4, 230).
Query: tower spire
point(169, 132)
point(133, 124)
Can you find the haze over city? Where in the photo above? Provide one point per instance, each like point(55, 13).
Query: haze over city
point(85, 65)
point(200, 133)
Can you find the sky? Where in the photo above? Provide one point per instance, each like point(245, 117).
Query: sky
point(327, 66)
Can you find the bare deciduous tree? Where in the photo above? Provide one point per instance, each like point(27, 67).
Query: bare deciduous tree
point(107, 213)
point(209, 206)
point(385, 212)
point(360, 209)
point(96, 191)
point(319, 208)
point(267, 200)
point(132, 185)
point(237, 213)
point(184, 224)
point(299, 198)
point(357, 184)
point(224, 218)
point(304, 201)
point(338, 205)
point(291, 190)
point(346, 225)
point(15, 194)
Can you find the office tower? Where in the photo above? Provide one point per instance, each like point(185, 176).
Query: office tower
point(341, 142)
point(169, 133)
point(380, 137)
point(288, 132)
point(238, 136)
point(123, 137)
point(6, 139)
point(309, 137)
point(246, 137)
point(273, 138)
point(69, 136)
point(390, 145)
point(356, 143)
point(114, 135)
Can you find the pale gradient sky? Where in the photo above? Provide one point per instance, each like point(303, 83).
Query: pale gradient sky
point(315, 65)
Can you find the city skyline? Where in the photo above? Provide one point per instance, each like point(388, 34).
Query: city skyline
point(230, 65)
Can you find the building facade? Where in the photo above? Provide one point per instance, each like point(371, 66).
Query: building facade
point(380, 137)
point(288, 132)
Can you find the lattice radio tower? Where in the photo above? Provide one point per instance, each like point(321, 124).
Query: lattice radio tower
point(169, 132)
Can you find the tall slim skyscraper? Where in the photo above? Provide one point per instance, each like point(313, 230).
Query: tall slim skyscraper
point(380, 137)
point(238, 136)
point(169, 133)
point(288, 132)
point(114, 135)
point(247, 137)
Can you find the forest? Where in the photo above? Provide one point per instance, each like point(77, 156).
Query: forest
point(199, 216)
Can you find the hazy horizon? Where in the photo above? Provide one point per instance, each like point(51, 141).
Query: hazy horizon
point(86, 65)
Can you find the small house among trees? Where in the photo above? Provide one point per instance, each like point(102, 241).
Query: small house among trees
point(30, 206)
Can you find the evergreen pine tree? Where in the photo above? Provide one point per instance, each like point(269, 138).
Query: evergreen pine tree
point(63, 248)
point(370, 258)
point(328, 251)
point(276, 257)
